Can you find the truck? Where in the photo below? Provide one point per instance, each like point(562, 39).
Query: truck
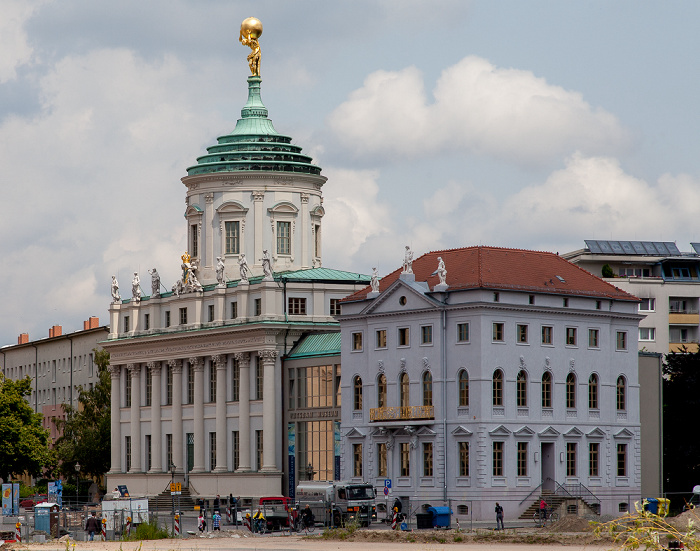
point(338, 501)
point(276, 511)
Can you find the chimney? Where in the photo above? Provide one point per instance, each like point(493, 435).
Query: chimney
point(23, 338)
point(91, 323)
point(55, 331)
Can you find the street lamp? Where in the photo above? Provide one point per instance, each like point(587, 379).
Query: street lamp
point(77, 482)
point(172, 496)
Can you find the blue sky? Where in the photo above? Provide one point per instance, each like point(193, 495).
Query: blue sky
point(439, 124)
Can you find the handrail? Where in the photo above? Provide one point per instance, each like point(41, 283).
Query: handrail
point(528, 495)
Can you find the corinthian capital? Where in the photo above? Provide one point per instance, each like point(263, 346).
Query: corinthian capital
point(268, 355)
point(219, 360)
point(243, 358)
point(175, 365)
point(134, 369)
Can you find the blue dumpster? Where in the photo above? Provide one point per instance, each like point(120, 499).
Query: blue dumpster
point(651, 504)
point(441, 516)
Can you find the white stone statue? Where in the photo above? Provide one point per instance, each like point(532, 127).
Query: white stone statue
point(374, 282)
point(115, 290)
point(243, 267)
point(267, 266)
point(408, 261)
point(155, 283)
point(193, 283)
point(136, 287)
point(441, 271)
point(220, 272)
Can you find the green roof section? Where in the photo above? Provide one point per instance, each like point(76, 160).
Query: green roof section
point(316, 344)
point(254, 145)
point(323, 274)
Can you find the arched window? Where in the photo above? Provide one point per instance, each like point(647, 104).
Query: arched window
point(547, 390)
point(381, 391)
point(463, 388)
point(593, 391)
point(571, 391)
point(521, 389)
point(403, 381)
point(621, 406)
point(357, 398)
point(498, 388)
point(427, 389)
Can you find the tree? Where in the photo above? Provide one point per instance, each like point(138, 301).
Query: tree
point(607, 271)
point(24, 443)
point(681, 387)
point(85, 437)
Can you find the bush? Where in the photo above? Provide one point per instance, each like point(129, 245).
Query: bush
point(607, 271)
point(148, 531)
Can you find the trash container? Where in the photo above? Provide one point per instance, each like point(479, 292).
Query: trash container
point(651, 504)
point(441, 516)
point(424, 521)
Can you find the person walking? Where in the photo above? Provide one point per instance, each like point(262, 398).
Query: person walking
point(92, 526)
point(499, 517)
point(217, 503)
point(216, 521)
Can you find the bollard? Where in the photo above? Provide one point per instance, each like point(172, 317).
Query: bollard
point(394, 519)
point(104, 529)
point(128, 526)
point(18, 532)
point(177, 526)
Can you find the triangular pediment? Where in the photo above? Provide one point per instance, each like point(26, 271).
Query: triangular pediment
point(549, 432)
point(389, 301)
point(624, 433)
point(461, 430)
point(500, 430)
point(596, 433)
point(573, 433)
point(425, 431)
point(354, 433)
point(524, 431)
point(231, 207)
point(380, 431)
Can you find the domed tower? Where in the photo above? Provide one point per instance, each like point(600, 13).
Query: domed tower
point(254, 191)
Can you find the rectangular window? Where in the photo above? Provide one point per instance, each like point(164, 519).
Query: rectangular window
point(212, 382)
point(195, 240)
point(127, 450)
point(381, 338)
point(531, 299)
point(464, 459)
point(259, 378)
point(127, 390)
point(235, 441)
point(593, 460)
point(381, 460)
point(622, 340)
point(210, 310)
point(190, 385)
point(283, 238)
point(522, 334)
point(126, 324)
point(335, 307)
point(232, 238)
point(167, 318)
point(148, 452)
point(498, 332)
point(496, 297)
point(317, 240)
point(404, 338)
point(647, 333)
point(426, 334)
point(571, 459)
point(236, 381)
point(258, 306)
point(593, 341)
point(147, 321)
point(357, 460)
point(149, 386)
point(462, 332)
point(169, 387)
point(598, 305)
point(183, 316)
point(296, 306)
point(234, 310)
point(547, 331)
point(212, 451)
point(169, 450)
point(258, 450)
point(498, 459)
point(565, 302)
point(571, 336)
point(427, 459)
point(405, 459)
point(522, 458)
point(357, 342)
point(647, 305)
point(622, 460)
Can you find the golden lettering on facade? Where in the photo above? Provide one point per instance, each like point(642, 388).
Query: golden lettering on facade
point(401, 413)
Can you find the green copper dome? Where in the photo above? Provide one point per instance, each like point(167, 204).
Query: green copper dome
point(254, 145)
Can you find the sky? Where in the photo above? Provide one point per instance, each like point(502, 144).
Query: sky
point(438, 124)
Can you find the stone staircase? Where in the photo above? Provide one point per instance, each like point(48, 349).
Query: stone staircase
point(553, 504)
point(164, 501)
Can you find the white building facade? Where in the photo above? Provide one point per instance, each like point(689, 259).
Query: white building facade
point(517, 377)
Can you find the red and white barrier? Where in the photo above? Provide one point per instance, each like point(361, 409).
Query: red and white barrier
point(247, 522)
point(104, 529)
point(394, 520)
point(18, 532)
point(128, 526)
point(177, 526)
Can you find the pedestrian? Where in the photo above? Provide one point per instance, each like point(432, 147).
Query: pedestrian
point(201, 523)
point(543, 511)
point(217, 503)
point(92, 526)
point(499, 517)
point(216, 521)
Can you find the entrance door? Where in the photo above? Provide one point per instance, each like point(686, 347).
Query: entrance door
point(547, 466)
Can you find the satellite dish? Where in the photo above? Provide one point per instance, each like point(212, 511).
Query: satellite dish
point(696, 489)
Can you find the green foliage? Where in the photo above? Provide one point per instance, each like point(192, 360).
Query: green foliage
point(645, 530)
point(681, 391)
point(24, 443)
point(148, 531)
point(607, 271)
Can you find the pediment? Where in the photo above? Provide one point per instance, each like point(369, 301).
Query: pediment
point(549, 432)
point(283, 207)
point(354, 433)
point(193, 210)
point(524, 431)
point(461, 430)
point(231, 207)
point(500, 430)
point(425, 431)
point(624, 433)
point(596, 433)
point(573, 433)
point(388, 300)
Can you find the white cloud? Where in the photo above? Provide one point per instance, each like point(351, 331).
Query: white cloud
point(508, 114)
point(14, 45)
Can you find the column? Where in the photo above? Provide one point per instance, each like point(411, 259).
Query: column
point(156, 436)
point(270, 398)
point(135, 374)
point(258, 197)
point(197, 364)
point(220, 362)
point(243, 359)
point(116, 446)
point(176, 423)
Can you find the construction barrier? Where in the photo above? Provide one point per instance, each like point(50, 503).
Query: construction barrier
point(228, 514)
point(394, 519)
point(177, 526)
point(104, 529)
point(247, 522)
point(18, 532)
point(128, 526)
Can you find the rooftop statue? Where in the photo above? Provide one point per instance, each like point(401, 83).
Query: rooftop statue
point(267, 266)
point(136, 287)
point(115, 290)
point(251, 29)
point(408, 261)
point(220, 272)
point(441, 271)
point(155, 283)
point(374, 282)
point(243, 267)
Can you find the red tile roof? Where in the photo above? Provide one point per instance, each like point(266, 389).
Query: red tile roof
point(505, 269)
